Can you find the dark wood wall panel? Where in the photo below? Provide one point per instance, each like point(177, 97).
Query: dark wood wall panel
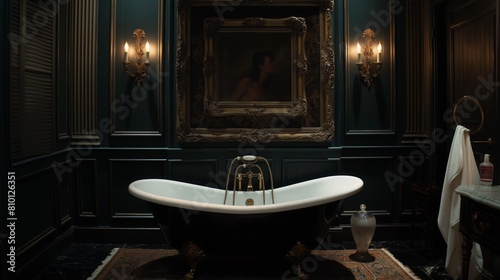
point(125, 171)
point(472, 52)
point(65, 197)
point(35, 208)
point(376, 194)
point(466, 59)
point(86, 184)
point(298, 170)
point(43, 209)
point(202, 171)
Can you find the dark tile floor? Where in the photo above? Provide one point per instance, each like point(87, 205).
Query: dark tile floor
point(80, 260)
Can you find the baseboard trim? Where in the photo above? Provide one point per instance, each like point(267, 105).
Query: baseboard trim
point(118, 235)
point(382, 232)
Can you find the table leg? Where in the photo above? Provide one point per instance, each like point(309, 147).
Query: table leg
point(466, 253)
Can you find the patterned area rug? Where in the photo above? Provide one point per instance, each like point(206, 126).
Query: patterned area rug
point(155, 264)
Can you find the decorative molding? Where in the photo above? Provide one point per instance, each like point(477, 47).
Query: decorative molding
point(418, 68)
point(83, 77)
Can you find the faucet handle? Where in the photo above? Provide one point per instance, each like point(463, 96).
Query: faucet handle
point(249, 158)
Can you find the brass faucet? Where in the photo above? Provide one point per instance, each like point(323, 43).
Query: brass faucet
point(249, 162)
point(250, 176)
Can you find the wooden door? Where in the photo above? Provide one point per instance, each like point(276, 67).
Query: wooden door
point(472, 79)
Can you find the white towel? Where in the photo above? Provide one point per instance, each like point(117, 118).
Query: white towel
point(460, 170)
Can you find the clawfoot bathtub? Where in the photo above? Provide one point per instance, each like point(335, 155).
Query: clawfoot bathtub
point(195, 220)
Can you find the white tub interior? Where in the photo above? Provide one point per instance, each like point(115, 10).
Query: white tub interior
point(201, 198)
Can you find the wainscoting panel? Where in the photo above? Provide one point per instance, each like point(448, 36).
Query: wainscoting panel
point(376, 193)
point(44, 210)
point(65, 198)
point(203, 172)
point(35, 208)
point(122, 173)
point(299, 170)
point(86, 183)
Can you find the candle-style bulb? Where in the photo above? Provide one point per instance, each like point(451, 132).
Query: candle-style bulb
point(148, 47)
point(125, 57)
point(358, 47)
point(379, 55)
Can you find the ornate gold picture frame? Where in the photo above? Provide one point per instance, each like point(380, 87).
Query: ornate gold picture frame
point(256, 71)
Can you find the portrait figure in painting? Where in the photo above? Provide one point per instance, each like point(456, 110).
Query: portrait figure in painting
point(254, 87)
point(254, 67)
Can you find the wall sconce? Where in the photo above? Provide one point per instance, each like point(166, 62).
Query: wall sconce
point(136, 68)
point(367, 69)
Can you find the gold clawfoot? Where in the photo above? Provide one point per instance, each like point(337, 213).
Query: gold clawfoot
point(297, 254)
point(193, 254)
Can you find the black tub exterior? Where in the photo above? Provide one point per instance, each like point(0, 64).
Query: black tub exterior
point(271, 234)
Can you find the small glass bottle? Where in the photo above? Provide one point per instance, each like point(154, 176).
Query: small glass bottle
point(363, 226)
point(486, 171)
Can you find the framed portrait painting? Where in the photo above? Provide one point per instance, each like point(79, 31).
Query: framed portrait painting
point(260, 71)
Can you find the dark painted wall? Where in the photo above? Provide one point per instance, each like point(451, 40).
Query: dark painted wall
point(78, 193)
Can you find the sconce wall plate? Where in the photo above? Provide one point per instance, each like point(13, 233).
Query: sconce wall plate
point(137, 68)
point(368, 71)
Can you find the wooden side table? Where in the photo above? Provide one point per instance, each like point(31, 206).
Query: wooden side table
point(479, 221)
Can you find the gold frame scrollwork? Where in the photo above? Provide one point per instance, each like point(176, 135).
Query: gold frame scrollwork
point(307, 117)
